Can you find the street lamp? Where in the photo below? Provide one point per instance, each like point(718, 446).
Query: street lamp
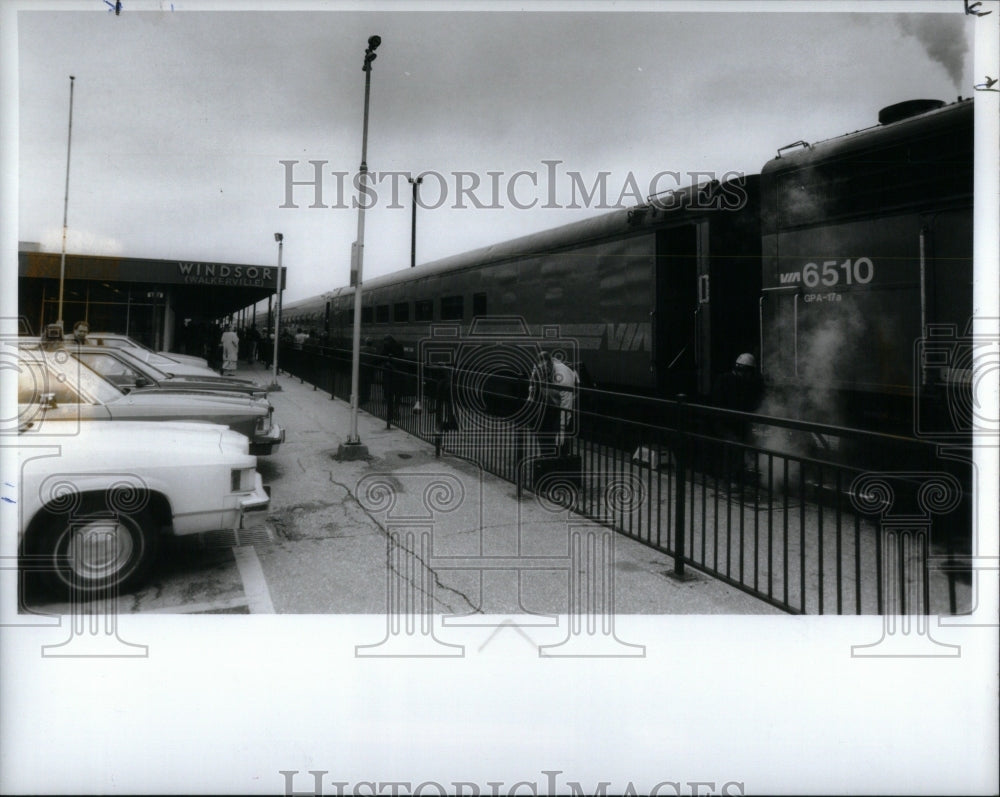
point(277, 320)
point(414, 181)
point(353, 449)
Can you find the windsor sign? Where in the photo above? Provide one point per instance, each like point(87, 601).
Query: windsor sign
point(141, 270)
point(225, 274)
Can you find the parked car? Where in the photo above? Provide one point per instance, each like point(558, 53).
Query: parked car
point(91, 518)
point(127, 372)
point(54, 386)
point(168, 364)
point(116, 340)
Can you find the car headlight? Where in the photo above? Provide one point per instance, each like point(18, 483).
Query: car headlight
point(264, 424)
point(241, 480)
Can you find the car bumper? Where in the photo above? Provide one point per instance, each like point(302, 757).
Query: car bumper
point(253, 507)
point(242, 511)
point(264, 444)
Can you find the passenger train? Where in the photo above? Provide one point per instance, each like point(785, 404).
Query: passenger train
point(844, 266)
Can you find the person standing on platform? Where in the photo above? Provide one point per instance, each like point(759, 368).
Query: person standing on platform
point(230, 351)
point(253, 337)
point(545, 397)
point(443, 405)
point(739, 389)
point(567, 381)
point(389, 389)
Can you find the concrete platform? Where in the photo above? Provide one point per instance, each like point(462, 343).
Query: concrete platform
point(401, 531)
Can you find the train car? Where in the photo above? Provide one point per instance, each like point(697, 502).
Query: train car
point(867, 245)
point(653, 299)
point(309, 314)
point(829, 266)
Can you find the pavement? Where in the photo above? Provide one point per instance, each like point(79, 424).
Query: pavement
point(402, 532)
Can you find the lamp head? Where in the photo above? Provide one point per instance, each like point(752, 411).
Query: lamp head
point(278, 237)
point(374, 42)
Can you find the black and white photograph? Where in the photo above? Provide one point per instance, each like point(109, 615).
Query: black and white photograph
point(476, 398)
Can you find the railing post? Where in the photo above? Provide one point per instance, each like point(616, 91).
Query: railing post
point(680, 456)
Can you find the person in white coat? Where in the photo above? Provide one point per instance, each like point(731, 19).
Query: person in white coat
point(230, 351)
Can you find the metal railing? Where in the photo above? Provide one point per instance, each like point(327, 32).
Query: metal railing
point(811, 519)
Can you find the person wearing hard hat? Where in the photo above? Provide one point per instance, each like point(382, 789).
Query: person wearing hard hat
point(739, 389)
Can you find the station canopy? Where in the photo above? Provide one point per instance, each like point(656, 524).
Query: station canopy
point(199, 290)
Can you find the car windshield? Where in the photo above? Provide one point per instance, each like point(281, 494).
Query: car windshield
point(115, 341)
point(118, 368)
point(69, 380)
point(91, 385)
point(152, 358)
point(146, 368)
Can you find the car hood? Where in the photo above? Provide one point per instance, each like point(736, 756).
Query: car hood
point(111, 439)
point(168, 386)
point(192, 400)
point(221, 381)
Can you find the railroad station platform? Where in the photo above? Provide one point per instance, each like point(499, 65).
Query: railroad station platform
point(404, 531)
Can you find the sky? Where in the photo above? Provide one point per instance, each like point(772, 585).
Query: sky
point(181, 119)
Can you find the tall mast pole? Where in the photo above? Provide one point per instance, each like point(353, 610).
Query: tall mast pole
point(62, 259)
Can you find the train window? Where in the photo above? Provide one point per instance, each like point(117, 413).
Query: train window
point(423, 310)
point(366, 315)
point(401, 311)
point(478, 304)
point(382, 314)
point(350, 316)
point(452, 308)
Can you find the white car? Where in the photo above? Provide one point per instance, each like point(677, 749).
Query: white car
point(116, 340)
point(92, 515)
point(53, 387)
point(167, 363)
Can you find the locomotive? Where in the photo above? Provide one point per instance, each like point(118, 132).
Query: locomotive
point(830, 266)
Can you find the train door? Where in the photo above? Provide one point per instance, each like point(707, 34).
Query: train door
point(946, 268)
point(680, 320)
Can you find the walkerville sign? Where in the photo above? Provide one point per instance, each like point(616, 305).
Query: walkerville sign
point(164, 272)
point(224, 274)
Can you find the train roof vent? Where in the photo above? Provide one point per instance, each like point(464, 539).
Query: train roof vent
point(904, 110)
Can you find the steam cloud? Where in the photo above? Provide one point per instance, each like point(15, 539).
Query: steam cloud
point(825, 354)
point(943, 38)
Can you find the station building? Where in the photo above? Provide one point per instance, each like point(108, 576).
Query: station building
point(158, 302)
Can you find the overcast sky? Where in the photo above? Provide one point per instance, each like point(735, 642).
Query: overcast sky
point(181, 120)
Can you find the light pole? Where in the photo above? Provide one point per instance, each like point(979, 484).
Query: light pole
point(62, 259)
point(353, 449)
point(277, 320)
point(414, 181)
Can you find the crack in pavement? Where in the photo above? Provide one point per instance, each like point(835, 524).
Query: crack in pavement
point(437, 580)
